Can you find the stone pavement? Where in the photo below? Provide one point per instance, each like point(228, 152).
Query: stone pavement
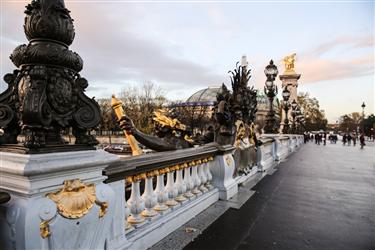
point(321, 197)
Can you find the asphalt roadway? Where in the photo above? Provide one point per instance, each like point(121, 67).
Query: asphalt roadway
point(321, 197)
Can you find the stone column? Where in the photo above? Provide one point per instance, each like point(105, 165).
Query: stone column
point(289, 80)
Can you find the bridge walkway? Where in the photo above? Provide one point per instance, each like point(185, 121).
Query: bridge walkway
point(321, 197)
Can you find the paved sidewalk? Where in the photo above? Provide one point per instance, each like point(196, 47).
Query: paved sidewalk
point(322, 197)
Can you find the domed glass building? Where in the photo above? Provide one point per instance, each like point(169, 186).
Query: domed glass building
point(207, 97)
point(203, 97)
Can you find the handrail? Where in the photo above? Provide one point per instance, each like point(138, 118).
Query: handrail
point(266, 140)
point(150, 162)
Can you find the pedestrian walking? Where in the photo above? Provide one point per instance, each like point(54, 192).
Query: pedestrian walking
point(362, 140)
point(344, 137)
point(349, 139)
point(324, 137)
point(354, 138)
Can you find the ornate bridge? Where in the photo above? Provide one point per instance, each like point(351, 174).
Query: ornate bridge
point(60, 196)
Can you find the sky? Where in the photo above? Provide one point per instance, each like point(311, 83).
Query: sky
point(184, 46)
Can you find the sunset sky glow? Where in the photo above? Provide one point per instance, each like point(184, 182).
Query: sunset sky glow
point(186, 46)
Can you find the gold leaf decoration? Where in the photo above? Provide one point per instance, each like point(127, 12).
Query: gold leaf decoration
point(160, 116)
point(75, 199)
point(103, 208)
point(44, 229)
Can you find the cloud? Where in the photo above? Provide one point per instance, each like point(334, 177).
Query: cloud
point(340, 58)
point(317, 70)
point(348, 42)
point(115, 51)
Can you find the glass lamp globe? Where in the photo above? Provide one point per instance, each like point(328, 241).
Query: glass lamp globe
point(271, 69)
point(294, 105)
point(269, 84)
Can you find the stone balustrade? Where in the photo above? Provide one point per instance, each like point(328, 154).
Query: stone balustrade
point(169, 188)
point(129, 203)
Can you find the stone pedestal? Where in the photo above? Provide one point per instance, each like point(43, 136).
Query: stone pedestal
point(222, 170)
point(58, 201)
point(290, 81)
point(266, 154)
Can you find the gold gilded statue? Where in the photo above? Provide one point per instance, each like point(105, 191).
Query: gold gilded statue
point(117, 107)
point(289, 63)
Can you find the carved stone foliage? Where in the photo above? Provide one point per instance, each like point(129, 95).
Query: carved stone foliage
point(46, 93)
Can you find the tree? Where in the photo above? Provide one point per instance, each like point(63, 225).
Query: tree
point(369, 125)
point(195, 116)
point(314, 116)
point(350, 122)
point(108, 120)
point(140, 104)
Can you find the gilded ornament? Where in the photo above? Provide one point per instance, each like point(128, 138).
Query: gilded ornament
point(240, 133)
point(44, 229)
point(289, 63)
point(103, 208)
point(130, 179)
point(150, 174)
point(76, 199)
point(228, 161)
point(140, 177)
point(116, 105)
point(165, 121)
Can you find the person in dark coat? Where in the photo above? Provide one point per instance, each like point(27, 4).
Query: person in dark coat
point(349, 139)
point(344, 139)
point(362, 140)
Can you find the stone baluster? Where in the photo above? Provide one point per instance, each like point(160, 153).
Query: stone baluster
point(196, 180)
point(180, 184)
point(127, 212)
point(149, 196)
point(161, 193)
point(171, 188)
point(188, 181)
point(208, 172)
point(202, 175)
point(135, 203)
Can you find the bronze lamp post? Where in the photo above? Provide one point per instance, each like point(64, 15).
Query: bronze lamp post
point(271, 91)
point(363, 116)
point(286, 95)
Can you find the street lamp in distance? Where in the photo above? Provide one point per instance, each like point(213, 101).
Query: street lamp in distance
point(363, 116)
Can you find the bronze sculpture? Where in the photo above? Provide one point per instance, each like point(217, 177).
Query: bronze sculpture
point(236, 107)
point(170, 133)
point(234, 115)
point(289, 63)
point(46, 93)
